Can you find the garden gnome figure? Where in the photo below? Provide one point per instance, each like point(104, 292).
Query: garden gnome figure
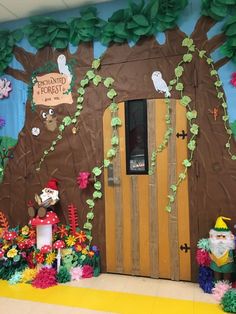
point(222, 247)
point(47, 199)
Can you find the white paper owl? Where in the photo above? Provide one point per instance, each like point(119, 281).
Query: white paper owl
point(159, 84)
point(63, 67)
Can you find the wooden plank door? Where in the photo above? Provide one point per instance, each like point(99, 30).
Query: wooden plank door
point(141, 237)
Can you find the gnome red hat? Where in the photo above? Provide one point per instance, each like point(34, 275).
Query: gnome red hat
point(52, 184)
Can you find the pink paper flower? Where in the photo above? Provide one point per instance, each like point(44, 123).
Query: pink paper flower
point(83, 180)
point(233, 79)
point(45, 278)
point(221, 287)
point(203, 258)
point(76, 273)
point(5, 88)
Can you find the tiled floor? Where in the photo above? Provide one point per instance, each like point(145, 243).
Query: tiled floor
point(127, 286)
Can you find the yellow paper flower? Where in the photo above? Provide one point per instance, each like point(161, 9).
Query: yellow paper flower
point(5, 247)
point(84, 251)
point(28, 275)
point(70, 241)
point(50, 258)
point(25, 230)
point(19, 239)
point(12, 252)
point(65, 252)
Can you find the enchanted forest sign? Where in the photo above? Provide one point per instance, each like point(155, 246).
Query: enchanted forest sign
point(52, 89)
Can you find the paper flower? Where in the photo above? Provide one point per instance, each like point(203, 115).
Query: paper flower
point(228, 301)
point(205, 279)
point(25, 230)
point(221, 287)
point(2, 122)
point(233, 79)
point(83, 180)
point(87, 271)
point(50, 258)
point(28, 275)
point(80, 236)
point(15, 278)
point(203, 258)
point(70, 241)
point(76, 273)
point(12, 253)
point(203, 244)
point(45, 278)
point(5, 88)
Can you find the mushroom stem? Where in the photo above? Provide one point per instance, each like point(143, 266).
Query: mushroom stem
point(44, 235)
point(58, 260)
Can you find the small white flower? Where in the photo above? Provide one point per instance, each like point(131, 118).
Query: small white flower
point(35, 131)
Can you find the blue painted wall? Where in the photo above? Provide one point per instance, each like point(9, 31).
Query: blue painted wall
point(13, 108)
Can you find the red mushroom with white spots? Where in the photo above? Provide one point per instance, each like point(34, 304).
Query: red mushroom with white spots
point(59, 244)
point(44, 228)
point(9, 235)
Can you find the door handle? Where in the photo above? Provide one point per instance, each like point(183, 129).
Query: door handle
point(112, 181)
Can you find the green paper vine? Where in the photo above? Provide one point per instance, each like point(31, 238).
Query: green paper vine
point(220, 95)
point(92, 77)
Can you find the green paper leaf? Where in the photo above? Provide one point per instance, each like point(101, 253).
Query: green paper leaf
point(202, 53)
point(45, 152)
point(115, 140)
point(96, 80)
point(87, 226)
point(106, 162)
point(90, 74)
point(224, 105)
point(179, 71)
point(209, 60)
point(61, 127)
point(81, 91)
point(218, 83)
point(233, 157)
point(111, 93)
point(77, 114)
point(90, 203)
point(173, 82)
point(220, 95)
point(80, 99)
point(179, 87)
point(67, 120)
point(96, 63)
point(113, 107)
point(225, 118)
point(168, 208)
point(213, 72)
point(191, 114)
point(185, 100)
point(108, 81)
point(186, 163)
point(80, 107)
point(140, 20)
point(194, 129)
point(96, 171)
point(173, 187)
point(192, 145)
point(111, 153)
point(84, 82)
point(97, 185)
point(90, 215)
point(187, 42)
point(116, 122)
point(187, 57)
point(227, 145)
point(97, 194)
point(171, 198)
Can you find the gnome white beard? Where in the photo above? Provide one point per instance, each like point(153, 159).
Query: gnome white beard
point(49, 194)
point(219, 247)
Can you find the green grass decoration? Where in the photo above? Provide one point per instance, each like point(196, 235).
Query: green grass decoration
point(228, 302)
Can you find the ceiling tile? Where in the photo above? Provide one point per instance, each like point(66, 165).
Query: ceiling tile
point(5, 15)
point(27, 8)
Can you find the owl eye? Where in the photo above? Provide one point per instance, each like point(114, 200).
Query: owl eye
point(44, 115)
point(51, 111)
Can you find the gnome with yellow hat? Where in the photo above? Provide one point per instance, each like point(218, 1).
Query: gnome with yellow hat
point(222, 247)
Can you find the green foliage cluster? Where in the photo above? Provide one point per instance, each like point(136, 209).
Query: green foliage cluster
point(229, 47)
point(141, 20)
point(43, 31)
point(7, 41)
point(217, 9)
point(86, 27)
point(233, 128)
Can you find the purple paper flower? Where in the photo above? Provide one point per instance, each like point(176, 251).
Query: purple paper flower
point(2, 122)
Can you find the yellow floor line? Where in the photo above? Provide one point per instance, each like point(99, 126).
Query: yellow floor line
point(109, 301)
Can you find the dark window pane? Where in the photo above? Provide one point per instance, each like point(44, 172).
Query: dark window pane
point(136, 137)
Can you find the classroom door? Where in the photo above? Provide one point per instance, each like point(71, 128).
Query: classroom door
point(141, 237)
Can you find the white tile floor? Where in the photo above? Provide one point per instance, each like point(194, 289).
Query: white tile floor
point(120, 283)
